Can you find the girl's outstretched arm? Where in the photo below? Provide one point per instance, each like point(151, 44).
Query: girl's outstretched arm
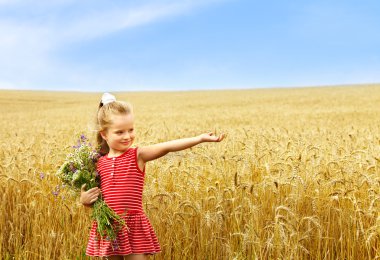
point(152, 152)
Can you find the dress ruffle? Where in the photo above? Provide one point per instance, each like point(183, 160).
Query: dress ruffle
point(138, 238)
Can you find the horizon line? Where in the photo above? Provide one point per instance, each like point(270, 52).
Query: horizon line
point(194, 90)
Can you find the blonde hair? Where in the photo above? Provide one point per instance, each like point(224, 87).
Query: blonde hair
point(103, 120)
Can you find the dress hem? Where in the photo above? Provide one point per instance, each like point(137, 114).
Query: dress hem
point(133, 253)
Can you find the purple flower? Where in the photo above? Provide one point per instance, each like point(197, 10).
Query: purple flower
point(42, 175)
point(95, 156)
point(56, 191)
point(72, 167)
point(115, 245)
point(78, 144)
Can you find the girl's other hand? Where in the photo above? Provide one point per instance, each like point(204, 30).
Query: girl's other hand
point(210, 137)
point(90, 196)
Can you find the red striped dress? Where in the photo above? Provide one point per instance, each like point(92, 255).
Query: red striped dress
point(122, 184)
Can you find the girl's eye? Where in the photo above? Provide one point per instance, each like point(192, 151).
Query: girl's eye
point(119, 132)
point(130, 130)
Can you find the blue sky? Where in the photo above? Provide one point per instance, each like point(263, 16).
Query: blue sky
point(94, 45)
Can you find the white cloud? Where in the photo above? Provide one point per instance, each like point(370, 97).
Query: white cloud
point(30, 33)
point(88, 22)
point(102, 22)
point(34, 4)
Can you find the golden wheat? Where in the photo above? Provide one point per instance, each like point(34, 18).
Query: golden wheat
point(297, 177)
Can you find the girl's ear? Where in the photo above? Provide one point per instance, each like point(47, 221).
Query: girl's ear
point(103, 134)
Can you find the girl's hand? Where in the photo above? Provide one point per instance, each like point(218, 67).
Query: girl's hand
point(90, 196)
point(210, 137)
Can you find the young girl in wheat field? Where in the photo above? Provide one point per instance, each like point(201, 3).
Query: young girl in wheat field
point(122, 171)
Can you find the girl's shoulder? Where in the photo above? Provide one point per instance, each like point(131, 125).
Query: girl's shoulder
point(101, 159)
point(130, 152)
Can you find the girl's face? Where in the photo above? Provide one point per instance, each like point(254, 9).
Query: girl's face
point(120, 135)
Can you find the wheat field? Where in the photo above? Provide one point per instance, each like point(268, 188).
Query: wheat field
point(296, 178)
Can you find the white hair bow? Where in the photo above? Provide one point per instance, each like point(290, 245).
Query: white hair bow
point(108, 98)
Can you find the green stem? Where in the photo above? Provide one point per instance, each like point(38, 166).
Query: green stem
point(108, 222)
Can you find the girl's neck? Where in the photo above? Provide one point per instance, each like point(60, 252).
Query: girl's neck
point(112, 154)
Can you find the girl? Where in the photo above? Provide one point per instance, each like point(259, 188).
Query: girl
point(122, 170)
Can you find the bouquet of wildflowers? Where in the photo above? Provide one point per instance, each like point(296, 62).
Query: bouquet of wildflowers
point(80, 168)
